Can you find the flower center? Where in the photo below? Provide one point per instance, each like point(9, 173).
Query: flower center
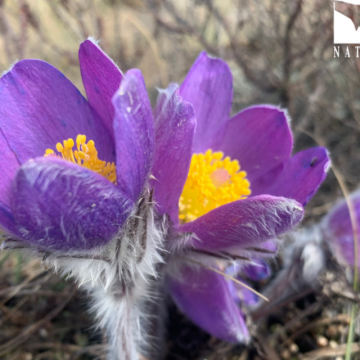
point(212, 182)
point(86, 155)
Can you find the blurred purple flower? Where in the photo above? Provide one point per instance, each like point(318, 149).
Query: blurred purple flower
point(260, 138)
point(337, 230)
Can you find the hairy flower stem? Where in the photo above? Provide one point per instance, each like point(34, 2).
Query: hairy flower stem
point(133, 326)
point(153, 318)
point(124, 279)
point(128, 307)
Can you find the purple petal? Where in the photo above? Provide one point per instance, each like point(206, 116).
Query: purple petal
point(205, 298)
point(337, 228)
point(7, 221)
point(40, 107)
point(8, 167)
point(244, 295)
point(247, 297)
point(259, 270)
point(60, 205)
point(9, 164)
point(208, 87)
point(232, 289)
point(244, 223)
point(174, 133)
point(260, 138)
point(301, 176)
point(338, 220)
point(134, 134)
point(267, 248)
point(343, 247)
point(101, 79)
point(240, 293)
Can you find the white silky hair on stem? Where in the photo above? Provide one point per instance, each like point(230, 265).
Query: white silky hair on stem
point(121, 278)
point(121, 309)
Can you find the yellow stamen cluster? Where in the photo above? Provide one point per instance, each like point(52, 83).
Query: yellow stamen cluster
point(212, 182)
point(86, 155)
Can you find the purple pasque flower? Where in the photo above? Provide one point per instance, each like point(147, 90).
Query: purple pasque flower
point(89, 211)
point(337, 230)
point(85, 207)
point(260, 140)
point(55, 204)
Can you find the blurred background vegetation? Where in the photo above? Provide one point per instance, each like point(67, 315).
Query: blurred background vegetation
point(280, 52)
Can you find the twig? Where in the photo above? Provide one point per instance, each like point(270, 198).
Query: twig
point(330, 352)
point(313, 325)
point(16, 289)
point(23, 336)
point(313, 308)
point(270, 308)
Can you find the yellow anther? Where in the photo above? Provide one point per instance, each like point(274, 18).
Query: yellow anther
point(59, 147)
point(212, 182)
point(80, 155)
point(86, 155)
point(78, 141)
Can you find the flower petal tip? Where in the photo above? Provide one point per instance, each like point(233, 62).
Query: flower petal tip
point(328, 164)
point(9, 69)
point(134, 133)
point(175, 124)
point(208, 87)
point(93, 40)
point(245, 222)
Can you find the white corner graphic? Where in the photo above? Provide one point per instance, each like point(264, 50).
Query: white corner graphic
point(345, 31)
